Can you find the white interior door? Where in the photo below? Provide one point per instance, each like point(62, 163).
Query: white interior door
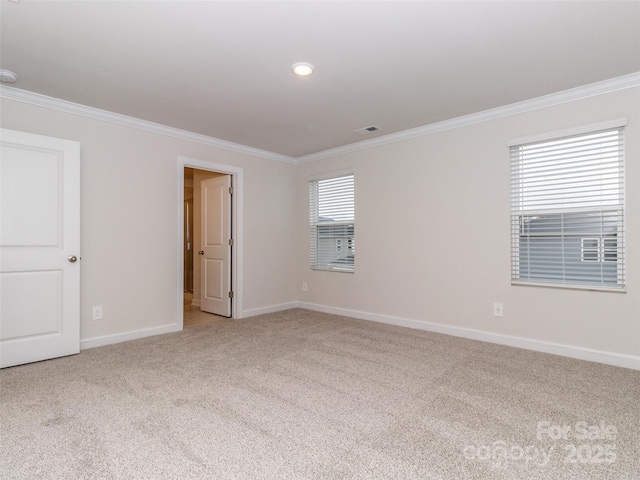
point(215, 255)
point(39, 248)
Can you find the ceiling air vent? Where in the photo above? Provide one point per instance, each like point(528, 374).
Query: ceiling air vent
point(367, 130)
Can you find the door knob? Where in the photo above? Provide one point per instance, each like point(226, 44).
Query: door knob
point(72, 258)
point(201, 252)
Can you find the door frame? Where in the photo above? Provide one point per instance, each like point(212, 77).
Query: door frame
point(236, 230)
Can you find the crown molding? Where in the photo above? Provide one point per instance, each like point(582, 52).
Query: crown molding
point(565, 96)
point(124, 120)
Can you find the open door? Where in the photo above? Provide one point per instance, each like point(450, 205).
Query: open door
point(39, 248)
point(216, 244)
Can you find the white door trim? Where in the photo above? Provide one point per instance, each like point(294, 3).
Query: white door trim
point(236, 231)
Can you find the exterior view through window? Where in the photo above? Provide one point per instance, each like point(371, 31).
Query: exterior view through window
point(567, 211)
point(332, 223)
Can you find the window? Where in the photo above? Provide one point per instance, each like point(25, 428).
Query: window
point(590, 249)
point(331, 203)
point(599, 249)
point(567, 211)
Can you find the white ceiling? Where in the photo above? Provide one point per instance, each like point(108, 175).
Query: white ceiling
point(222, 69)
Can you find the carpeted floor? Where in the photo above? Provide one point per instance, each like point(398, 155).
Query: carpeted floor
point(306, 395)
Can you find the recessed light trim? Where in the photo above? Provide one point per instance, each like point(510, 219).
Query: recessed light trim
point(7, 76)
point(302, 69)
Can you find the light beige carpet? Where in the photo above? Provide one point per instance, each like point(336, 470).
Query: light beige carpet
point(305, 395)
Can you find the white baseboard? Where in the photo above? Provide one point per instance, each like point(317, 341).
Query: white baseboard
point(581, 353)
point(195, 303)
point(269, 309)
point(172, 327)
point(126, 336)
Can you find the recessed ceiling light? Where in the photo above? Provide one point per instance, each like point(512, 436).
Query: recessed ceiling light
point(7, 76)
point(302, 69)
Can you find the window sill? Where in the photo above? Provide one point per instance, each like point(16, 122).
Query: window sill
point(616, 289)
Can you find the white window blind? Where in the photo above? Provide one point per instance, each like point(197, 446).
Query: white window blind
point(567, 211)
point(332, 223)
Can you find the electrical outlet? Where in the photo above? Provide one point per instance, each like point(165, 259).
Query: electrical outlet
point(304, 286)
point(498, 310)
point(97, 313)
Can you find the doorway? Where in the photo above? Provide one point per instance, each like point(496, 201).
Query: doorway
point(192, 264)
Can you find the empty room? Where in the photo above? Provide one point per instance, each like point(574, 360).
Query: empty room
point(320, 240)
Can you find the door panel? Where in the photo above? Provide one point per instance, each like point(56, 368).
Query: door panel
point(21, 317)
point(216, 235)
point(40, 230)
point(31, 197)
point(214, 283)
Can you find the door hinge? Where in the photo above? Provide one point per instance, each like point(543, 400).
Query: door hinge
point(230, 190)
point(231, 242)
point(230, 294)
